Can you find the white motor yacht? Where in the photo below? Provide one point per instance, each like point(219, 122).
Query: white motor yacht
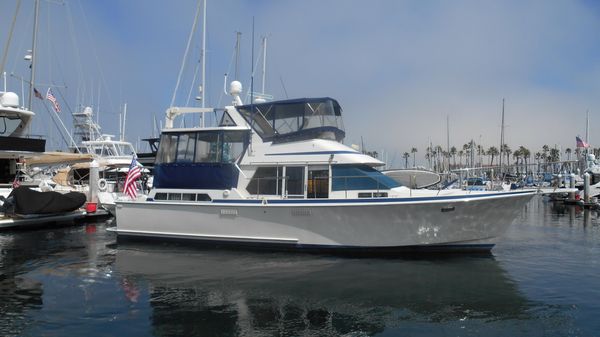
point(277, 175)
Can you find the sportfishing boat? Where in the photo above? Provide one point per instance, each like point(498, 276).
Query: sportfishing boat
point(277, 175)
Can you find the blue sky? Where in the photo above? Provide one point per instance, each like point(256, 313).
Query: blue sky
point(398, 68)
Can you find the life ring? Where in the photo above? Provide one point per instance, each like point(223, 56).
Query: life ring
point(102, 184)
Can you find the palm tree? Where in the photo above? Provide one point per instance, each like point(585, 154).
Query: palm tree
point(545, 150)
point(506, 151)
point(405, 155)
point(526, 154)
point(568, 152)
point(453, 154)
point(413, 151)
point(492, 152)
point(516, 155)
point(461, 153)
point(467, 153)
point(440, 155)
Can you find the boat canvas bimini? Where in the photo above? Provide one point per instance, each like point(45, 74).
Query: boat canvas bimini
point(277, 175)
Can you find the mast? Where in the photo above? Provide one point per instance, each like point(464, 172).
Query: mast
point(10, 34)
point(502, 137)
point(33, 53)
point(448, 140)
point(587, 126)
point(264, 65)
point(124, 120)
point(203, 58)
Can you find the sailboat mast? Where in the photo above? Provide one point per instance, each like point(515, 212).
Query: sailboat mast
point(587, 126)
point(448, 140)
point(33, 52)
point(501, 138)
point(203, 59)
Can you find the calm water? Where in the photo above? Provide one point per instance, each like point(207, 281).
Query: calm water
point(542, 280)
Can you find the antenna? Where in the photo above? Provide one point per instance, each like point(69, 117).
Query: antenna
point(238, 37)
point(264, 65)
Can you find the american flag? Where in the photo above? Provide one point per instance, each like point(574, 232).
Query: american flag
point(51, 98)
point(580, 142)
point(135, 171)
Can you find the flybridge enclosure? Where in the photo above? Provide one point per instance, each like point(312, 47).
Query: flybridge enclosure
point(296, 119)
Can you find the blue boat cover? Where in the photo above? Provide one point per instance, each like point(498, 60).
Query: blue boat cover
point(218, 176)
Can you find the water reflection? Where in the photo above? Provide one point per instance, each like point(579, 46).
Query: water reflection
point(256, 293)
point(53, 253)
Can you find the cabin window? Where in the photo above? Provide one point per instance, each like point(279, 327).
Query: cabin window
point(360, 177)
point(203, 197)
point(188, 197)
point(168, 146)
point(174, 196)
point(226, 120)
point(202, 147)
point(266, 180)
point(318, 183)
point(160, 196)
point(185, 148)
point(294, 180)
point(233, 146)
point(207, 148)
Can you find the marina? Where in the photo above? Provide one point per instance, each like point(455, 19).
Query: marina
point(541, 280)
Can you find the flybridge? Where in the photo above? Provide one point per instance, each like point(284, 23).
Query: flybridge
point(296, 119)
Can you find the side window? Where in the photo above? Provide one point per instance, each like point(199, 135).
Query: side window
point(207, 148)
point(233, 146)
point(294, 181)
point(185, 147)
point(266, 180)
point(166, 153)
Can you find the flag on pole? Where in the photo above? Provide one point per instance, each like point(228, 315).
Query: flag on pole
point(37, 94)
point(50, 96)
point(581, 143)
point(135, 172)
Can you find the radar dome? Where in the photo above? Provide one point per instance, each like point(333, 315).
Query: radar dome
point(9, 99)
point(235, 88)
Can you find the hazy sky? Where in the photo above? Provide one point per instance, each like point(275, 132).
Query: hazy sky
point(398, 68)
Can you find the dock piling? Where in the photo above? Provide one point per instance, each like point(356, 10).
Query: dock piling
point(586, 188)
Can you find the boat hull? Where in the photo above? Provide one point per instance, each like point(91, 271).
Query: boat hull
point(467, 223)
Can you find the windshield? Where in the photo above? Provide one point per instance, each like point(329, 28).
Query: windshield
point(360, 177)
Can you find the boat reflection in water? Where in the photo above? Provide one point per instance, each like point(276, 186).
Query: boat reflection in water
point(253, 294)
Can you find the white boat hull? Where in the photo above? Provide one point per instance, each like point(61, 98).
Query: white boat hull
point(468, 222)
